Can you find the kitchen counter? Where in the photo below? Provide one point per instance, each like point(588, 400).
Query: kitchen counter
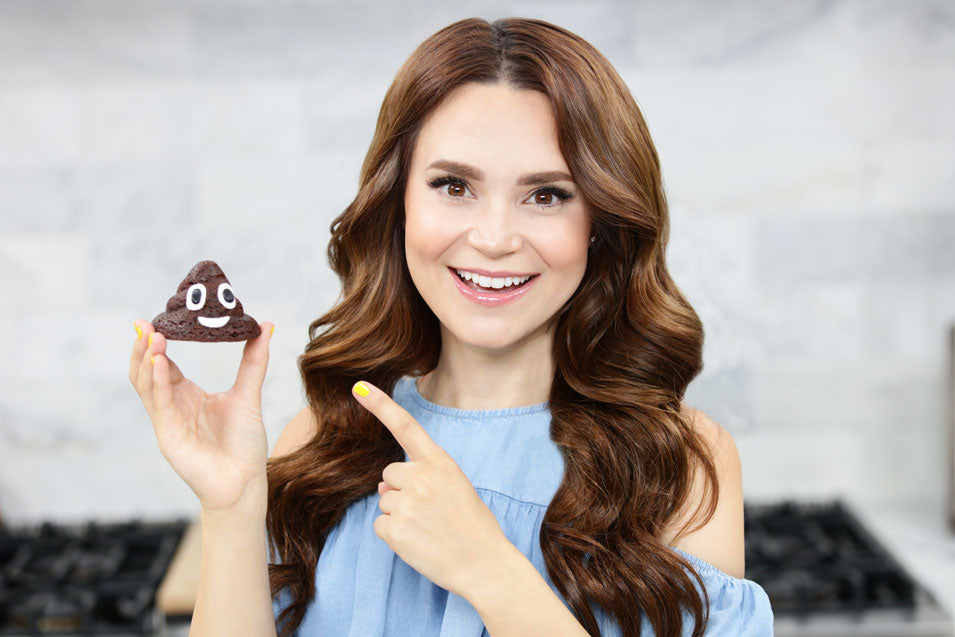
point(917, 534)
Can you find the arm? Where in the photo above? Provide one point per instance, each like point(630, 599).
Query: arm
point(515, 600)
point(721, 540)
point(234, 597)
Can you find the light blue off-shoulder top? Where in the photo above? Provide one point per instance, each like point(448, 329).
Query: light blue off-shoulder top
point(363, 589)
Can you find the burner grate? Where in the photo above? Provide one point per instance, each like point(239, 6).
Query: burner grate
point(87, 580)
point(818, 558)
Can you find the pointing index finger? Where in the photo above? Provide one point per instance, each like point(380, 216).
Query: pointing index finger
point(407, 431)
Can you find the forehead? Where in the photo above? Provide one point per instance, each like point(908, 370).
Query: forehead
point(495, 127)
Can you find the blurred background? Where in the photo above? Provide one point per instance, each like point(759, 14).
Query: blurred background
point(808, 153)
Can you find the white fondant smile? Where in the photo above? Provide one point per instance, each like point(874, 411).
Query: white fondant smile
point(209, 321)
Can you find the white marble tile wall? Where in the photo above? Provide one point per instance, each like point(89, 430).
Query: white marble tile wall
point(808, 151)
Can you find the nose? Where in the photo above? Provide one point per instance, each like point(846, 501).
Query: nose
point(494, 232)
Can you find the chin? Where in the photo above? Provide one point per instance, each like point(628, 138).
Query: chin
point(489, 335)
point(495, 346)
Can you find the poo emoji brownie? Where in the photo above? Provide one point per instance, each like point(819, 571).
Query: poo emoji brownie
point(204, 308)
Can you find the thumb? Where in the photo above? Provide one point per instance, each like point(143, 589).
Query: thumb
point(255, 360)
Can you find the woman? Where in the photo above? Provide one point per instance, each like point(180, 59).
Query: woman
point(516, 458)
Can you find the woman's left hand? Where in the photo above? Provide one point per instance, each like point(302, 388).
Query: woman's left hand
point(433, 518)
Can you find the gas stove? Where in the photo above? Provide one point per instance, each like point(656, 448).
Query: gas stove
point(824, 572)
point(827, 575)
point(94, 579)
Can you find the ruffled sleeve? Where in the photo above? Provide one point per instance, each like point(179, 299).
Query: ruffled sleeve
point(738, 607)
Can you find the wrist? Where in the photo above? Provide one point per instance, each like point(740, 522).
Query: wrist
point(250, 505)
point(517, 600)
point(486, 583)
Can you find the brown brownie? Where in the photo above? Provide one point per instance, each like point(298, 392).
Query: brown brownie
point(204, 308)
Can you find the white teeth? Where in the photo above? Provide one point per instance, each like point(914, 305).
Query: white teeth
point(489, 282)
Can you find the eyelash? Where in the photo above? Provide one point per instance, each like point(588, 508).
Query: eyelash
point(559, 193)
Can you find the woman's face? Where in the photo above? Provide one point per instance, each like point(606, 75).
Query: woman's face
point(478, 199)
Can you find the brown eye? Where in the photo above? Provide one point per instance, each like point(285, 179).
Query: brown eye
point(544, 193)
point(458, 187)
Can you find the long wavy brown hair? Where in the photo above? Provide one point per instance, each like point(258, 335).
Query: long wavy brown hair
point(627, 343)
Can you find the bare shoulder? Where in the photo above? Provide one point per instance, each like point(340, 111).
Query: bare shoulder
point(297, 432)
point(720, 540)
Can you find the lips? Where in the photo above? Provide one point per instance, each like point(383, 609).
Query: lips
point(492, 299)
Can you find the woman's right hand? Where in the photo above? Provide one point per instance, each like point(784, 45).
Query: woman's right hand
point(215, 442)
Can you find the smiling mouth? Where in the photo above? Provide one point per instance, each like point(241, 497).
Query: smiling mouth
point(209, 321)
point(473, 284)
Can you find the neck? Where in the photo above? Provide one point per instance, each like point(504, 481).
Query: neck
point(473, 378)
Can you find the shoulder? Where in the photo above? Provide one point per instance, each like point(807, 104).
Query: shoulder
point(296, 434)
point(720, 540)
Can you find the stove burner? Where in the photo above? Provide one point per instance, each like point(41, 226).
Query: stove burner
point(53, 611)
point(819, 558)
point(90, 580)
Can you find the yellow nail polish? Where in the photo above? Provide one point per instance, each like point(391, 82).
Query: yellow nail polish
point(272, 331)
point(361, 389)
point(139, 332)
point(150, 342)
point(152, 359)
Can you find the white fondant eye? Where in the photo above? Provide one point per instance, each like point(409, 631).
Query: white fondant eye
point(196, 296)
point(226, 296)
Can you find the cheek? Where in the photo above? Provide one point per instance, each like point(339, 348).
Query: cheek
point(428, 232)
point(566, 247)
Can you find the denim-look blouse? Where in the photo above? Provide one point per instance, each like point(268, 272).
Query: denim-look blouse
point(363, 589)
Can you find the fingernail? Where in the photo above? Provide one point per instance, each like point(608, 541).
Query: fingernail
point(272, 331)
point(150, 342)
point(139, 332)
point(360, 389)
point(152, 359)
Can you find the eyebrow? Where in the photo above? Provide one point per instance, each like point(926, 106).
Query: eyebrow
point(470, 172)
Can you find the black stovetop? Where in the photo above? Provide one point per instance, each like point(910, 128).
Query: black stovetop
point(818, 557)
point(94, 579)
point(812, 559)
